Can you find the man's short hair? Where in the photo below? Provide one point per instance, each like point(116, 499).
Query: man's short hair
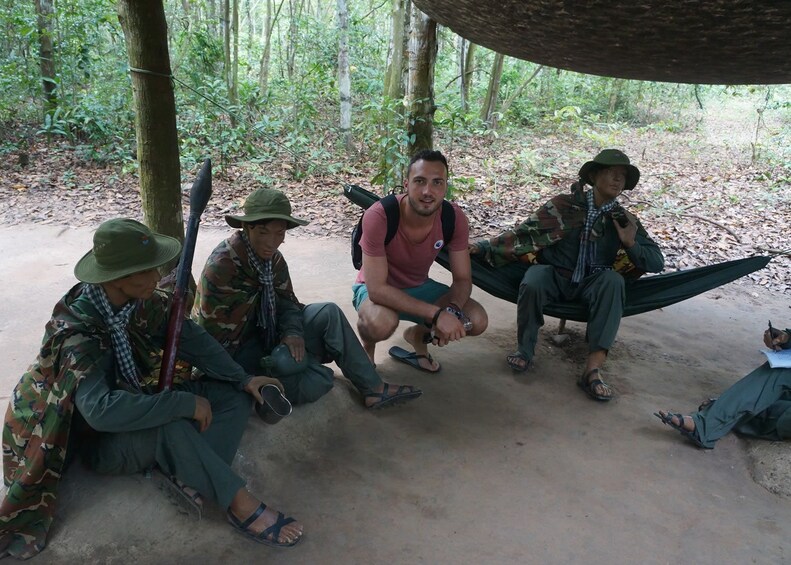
point(427, 155)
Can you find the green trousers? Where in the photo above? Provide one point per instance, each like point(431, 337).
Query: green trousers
point(603, 292)
point(199, 460)
point(759, 405)
point(328, 337)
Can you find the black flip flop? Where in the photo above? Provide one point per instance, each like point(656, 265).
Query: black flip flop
point(412, 359)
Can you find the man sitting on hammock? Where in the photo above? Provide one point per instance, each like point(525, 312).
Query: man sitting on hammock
point(574, 239)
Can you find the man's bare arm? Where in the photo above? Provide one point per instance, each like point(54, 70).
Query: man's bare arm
point(460, 268)
point(381, 293)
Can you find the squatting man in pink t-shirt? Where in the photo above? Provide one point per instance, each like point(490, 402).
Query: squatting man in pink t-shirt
point(393, 283)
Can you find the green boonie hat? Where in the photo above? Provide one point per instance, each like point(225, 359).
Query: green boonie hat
point(123, 247)
point(266, 204)
point(611, 158)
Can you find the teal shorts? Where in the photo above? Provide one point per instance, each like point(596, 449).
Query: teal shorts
point(430, 291)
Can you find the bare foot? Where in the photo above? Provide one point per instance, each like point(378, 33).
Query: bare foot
point(414, 337)
point(245, 504)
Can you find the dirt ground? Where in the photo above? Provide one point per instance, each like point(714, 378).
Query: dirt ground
point(486, 467)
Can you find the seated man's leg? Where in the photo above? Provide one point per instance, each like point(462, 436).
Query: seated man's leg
point(230, 410)
point(375, 323)
point(749, 397)
point(330, 337)
point(177, 448)
point(308, 385)
point(538, 287)
point(180, 451)
point(605, 295)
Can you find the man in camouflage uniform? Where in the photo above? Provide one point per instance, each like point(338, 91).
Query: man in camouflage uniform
point(246, 301)
point(575, 239)
point(99, 356)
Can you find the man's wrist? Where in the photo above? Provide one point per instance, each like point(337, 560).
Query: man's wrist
point(436, 317)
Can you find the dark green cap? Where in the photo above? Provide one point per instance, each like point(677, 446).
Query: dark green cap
point(266, 204)
point(123, 247)
point(611, 158)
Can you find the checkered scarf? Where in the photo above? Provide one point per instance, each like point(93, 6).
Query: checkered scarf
point(587, 252)
point(266, 313)
point(119, 336)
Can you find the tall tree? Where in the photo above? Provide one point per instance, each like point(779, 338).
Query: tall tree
point(233, 91)
point(226, 42)
point(269, 25)
point(46, 53)
point(492, 92)
point(420, 86)
point(344, 80)
point(518, 92)
point(466, 64)
point(146, 37)
point(397, 60)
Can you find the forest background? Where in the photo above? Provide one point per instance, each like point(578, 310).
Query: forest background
point(308, 95)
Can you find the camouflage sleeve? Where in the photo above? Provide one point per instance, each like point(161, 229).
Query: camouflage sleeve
point(225, 299)
point(645, 253)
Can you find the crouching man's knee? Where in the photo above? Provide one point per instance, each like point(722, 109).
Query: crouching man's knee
point(376, 323)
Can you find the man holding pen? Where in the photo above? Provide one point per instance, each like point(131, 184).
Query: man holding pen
point(759, 405)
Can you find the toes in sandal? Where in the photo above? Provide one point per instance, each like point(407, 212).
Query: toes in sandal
point(267, 537)
point(691, 436)
point(403, 393)
point(590, 385)
point(518, 362)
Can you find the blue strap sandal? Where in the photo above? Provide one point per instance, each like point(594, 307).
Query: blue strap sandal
point(270, 535)
point(403, 393)
point(690, 435)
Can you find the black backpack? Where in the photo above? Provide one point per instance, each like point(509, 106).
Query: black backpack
point(392, 211)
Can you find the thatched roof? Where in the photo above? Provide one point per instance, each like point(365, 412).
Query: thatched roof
point(692, 41)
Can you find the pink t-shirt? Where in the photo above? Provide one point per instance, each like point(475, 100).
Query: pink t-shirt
point(408, 263)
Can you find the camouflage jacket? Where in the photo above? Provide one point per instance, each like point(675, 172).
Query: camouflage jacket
point(228, 296)
point(38, 420)
point(76, 347)
point(552, 222)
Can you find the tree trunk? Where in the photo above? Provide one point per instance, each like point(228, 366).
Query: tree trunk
point(344, 80)
point(145, 32)
point(294, 12)
point(467, 73)
point(269, 26)
point(233, 93)
point(420, 88)
point(226, 42)
point(615, 94)
point(399, 42)
point(490, 102)
point(211, 10)
point(46, 52)
point(518, 91)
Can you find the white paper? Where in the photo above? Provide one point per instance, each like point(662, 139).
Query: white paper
point(778, 359)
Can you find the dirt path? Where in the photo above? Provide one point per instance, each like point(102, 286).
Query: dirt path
point(485, 468)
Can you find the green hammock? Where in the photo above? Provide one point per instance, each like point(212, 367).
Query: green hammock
point(642, 295)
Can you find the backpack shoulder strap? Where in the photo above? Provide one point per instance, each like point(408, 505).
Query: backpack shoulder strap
point(393, 213)
point(448, 222)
